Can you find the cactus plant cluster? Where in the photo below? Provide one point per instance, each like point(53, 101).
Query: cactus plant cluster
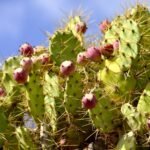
point(71, 94)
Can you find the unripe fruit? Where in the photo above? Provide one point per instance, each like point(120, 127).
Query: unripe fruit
point(81, 58)
point(81, 27)
point(26, 63)
point(67, 68)
point(89, 101)
point(2, 92)
point(93, 54)
point(104, 25)
point(107, 50)
point(20, 75)
point(26, 50)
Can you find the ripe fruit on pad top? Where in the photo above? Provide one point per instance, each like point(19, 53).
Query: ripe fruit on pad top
point(67, 68)
point(20, 75)
point(104, 25)
point(93, 54)
point(26, 63)
point(81, 27)
point(107, 50)
point(89, 101)
point(26, 50)
point(81, 58)
point(2, 92)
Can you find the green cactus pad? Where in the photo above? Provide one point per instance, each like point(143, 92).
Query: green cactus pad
point(35, 95)
point(141, 15)
point(127, 142)
point(73, 93)
point(53, 99)
point(64, 46)
point(134, 118)
point(9, 66)
point(126, 31)
point(144, 101)
point(3, 121)
point(104, 115)
point(117, 85)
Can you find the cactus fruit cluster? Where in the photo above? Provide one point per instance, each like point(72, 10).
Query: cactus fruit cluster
point(75, 95)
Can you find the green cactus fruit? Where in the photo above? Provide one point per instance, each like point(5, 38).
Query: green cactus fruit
point(24, 138)
point(105, 114)
point(134, 118)
point(118, 86)
point(35, 95)
point(64, 46)
point(73, 93)
point(127, 142)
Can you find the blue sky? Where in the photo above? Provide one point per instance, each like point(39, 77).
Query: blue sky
point(27, 20)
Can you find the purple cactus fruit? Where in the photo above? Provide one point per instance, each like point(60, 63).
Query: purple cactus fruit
point(26, 63)
point(81, 27)
point(44, 58)
point(89, 101)
point(104, 25)
point(93, 54)
point(67, 68)
point(20, 75)
point(26, 50)
point(2, 92)
point(107, 50)
point(116, 45)
point(81, 58)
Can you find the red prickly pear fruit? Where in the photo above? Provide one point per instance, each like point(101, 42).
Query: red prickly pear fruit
point(26, 64)
point(44, 58)
point(20, 75)
point(2, 92)
point(93, 54)
point(26, 50)
point(81, 58)
point(104, 25)
point(67, 68)
point(107, 50)
point(81, 27)
point(89, 101)
point(116, 45)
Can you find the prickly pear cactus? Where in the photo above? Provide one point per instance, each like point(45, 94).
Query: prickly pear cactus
point(76, 93)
